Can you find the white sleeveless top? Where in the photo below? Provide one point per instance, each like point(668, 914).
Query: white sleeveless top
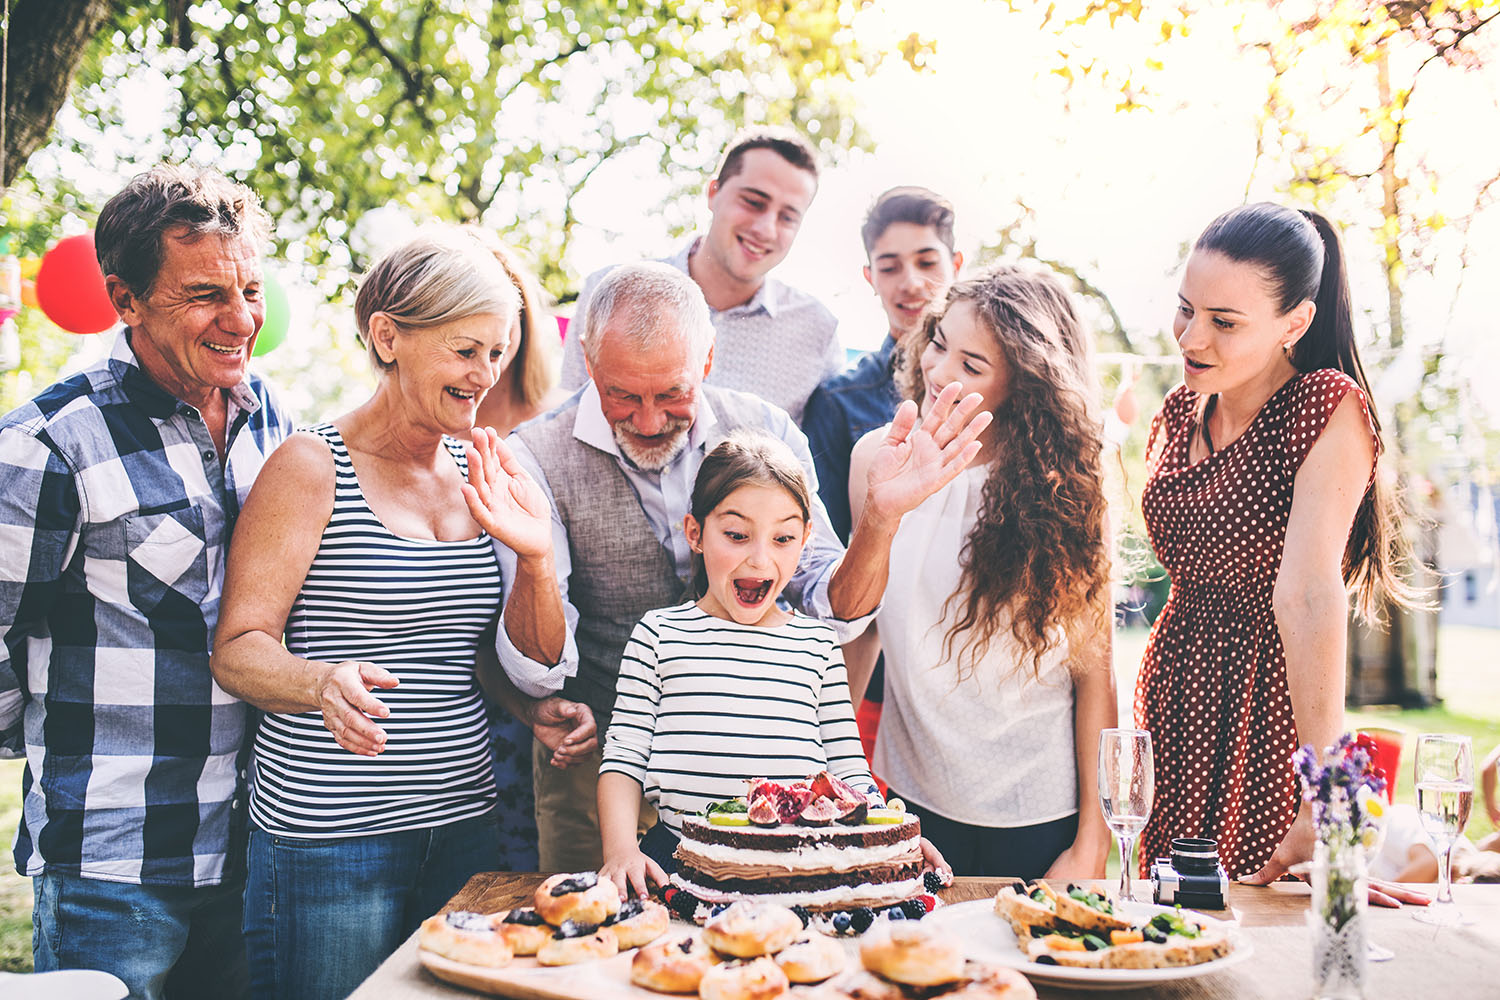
point(995, 749)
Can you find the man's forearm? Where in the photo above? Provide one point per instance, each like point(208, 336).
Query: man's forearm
point(859, 582)
point(534, 618)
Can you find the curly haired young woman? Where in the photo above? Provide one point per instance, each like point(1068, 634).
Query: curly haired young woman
point(996, 621)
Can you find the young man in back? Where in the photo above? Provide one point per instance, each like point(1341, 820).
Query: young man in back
point(908, 237)
point(771, 340)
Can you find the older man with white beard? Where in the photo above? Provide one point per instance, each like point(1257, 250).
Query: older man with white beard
point(617, 464)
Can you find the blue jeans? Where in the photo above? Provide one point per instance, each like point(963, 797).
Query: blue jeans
point(163, 941)
point(321, 915)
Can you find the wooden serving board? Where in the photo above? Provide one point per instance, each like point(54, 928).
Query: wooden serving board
point(524, 979)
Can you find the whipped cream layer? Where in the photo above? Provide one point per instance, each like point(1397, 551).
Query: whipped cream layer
point(807, 858)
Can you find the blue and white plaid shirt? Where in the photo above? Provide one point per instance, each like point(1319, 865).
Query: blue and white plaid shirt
point(115, 517)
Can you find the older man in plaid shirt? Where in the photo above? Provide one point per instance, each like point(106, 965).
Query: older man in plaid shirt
point(120, 489)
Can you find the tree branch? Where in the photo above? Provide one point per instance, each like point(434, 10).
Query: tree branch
point(412, 82)
point(46, 41)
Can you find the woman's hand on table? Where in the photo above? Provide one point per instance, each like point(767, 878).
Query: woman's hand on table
point(632, 872)
point(507, 503)
point(1296, 848)
point(565, 727)
point(1079, 861)
point(344, 698)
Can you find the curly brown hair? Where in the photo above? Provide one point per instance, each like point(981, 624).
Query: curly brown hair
point(1036, 559)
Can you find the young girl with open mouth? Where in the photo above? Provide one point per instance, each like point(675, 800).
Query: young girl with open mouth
point(731, 687)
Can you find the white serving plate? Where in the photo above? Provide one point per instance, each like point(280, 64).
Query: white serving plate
point(987, 937)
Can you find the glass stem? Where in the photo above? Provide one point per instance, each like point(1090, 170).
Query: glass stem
point(1445, 868)
point(1127, 847)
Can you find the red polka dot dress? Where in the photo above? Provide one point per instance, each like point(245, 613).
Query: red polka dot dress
point(1213, 687)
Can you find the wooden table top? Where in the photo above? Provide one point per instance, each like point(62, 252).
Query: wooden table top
point(1454, 963)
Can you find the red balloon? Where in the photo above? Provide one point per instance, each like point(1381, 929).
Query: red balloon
point(70, 287)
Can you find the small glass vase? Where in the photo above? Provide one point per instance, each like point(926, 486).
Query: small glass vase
point(1340, 894)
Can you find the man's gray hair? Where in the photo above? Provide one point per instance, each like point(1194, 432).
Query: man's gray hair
point(652, 305)
point(441, 275)
point(172, 200)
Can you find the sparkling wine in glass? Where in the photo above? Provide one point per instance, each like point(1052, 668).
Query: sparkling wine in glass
point(1126, 785)
point(1445, 794)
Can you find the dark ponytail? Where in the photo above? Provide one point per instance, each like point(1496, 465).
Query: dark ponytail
point(1299, 256)
point(1329, 341)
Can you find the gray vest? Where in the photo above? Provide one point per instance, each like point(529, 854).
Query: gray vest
point(620, 569)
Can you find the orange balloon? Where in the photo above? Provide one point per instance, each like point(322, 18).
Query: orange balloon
point(28, 294)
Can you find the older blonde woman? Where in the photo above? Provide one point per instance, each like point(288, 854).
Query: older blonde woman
point(372, 796)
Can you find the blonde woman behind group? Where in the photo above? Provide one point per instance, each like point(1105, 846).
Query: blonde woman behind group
point(528, 383)
point(996, 623)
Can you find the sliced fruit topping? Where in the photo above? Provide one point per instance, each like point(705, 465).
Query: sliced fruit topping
point(884, 816)
point(731, 819)
point(819, 812)
point(763, 812)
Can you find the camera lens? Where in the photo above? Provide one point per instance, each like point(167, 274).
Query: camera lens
point(1195, 855)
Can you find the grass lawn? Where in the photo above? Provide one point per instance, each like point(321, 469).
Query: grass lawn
point(1468, 671)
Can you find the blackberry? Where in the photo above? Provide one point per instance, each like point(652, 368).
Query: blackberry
point(803, 914)
point(683, 904)
point(932, 882)
point(862, 918)
point(841, 922)
point(913, 909)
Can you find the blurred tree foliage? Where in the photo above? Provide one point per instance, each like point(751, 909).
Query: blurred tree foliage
point(476, 111)
point(1343, 130)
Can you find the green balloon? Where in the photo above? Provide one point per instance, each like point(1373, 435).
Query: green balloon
point(278, 317)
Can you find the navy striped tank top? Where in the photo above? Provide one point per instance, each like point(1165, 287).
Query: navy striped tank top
point(415, 607)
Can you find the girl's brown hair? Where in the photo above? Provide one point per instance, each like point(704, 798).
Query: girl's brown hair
point(745, 458)
point(1037, 560)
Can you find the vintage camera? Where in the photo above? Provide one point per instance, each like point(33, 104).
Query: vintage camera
point(1192, 876)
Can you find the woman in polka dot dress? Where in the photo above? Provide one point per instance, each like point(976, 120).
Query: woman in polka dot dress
point(1263, 505)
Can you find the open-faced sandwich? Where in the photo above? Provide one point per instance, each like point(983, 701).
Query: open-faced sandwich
point(1167, 940)
point(1026, 906)
point(1087, 909)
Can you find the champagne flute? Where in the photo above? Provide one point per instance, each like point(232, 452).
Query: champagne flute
point(1126, 785)
point(1445, 793)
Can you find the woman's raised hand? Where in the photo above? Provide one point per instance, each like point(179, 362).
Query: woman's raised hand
point(916, 460)
point(343, 695)
point(507, 503)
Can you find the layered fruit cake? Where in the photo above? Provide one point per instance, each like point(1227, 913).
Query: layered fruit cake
point(815, 844)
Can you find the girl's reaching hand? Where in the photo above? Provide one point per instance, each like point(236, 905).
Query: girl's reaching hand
point(932, 859)
point(630, 871)
point(507, 503)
